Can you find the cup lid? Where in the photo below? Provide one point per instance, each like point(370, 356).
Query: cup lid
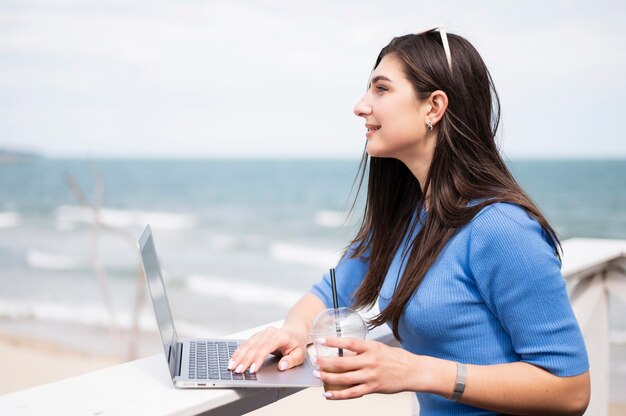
point(340, 322)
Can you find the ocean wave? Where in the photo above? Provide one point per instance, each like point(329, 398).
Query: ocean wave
point(330, 219)
point(56, 312)
point(310, 256)
point(95, 315)
point(242, 292)
point(10, 219)
point(68, 216)
point(49, 261)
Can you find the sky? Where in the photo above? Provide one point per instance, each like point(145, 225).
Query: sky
point(279, 78)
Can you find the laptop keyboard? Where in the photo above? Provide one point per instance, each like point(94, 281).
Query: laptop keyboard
point(208, 360)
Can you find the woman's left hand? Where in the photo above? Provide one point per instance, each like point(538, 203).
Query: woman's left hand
point(376, 368)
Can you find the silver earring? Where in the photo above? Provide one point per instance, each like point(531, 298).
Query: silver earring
point(429, 126)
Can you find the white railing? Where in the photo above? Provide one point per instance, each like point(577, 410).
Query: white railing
point(593, 268)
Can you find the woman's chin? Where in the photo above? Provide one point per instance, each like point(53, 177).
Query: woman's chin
point(373, 150)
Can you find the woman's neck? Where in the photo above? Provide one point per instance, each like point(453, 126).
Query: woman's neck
point(419, 158)
point(420, 171)
point(419, 168)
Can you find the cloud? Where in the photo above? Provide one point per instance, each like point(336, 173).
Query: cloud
point(280, 78)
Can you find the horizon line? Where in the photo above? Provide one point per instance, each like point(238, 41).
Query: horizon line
point(8, 154)
point(298, 157)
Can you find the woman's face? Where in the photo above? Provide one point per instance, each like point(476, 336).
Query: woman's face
point(394, 118)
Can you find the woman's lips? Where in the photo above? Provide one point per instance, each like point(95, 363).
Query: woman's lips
point(371, 130)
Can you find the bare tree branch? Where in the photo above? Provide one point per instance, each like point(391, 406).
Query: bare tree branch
point(98, 266)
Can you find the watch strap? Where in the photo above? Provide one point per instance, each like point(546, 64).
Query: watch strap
point(459, 384)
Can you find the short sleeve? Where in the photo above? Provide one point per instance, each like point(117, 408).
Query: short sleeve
point(349, 273)
point(518, 275)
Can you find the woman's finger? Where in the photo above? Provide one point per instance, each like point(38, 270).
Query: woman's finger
point(270, 341)
point(349, 378)
point(241, 351)
point(293, 358)
point(249, 348)
point(341, 364)
point(254, 356)
point(356, 345)
point(350, 393)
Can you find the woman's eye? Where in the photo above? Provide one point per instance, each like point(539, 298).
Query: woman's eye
point(381, 88)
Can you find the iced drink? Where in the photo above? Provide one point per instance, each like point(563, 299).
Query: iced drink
point(342, 323)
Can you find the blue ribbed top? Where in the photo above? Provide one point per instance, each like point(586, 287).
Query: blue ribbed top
point(494, 295)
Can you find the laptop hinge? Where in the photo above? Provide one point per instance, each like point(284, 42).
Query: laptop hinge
point(179, 358)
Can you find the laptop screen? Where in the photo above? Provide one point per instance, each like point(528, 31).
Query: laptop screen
point(156, 286)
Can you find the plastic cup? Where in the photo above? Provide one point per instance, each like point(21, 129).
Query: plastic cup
point(342, 323)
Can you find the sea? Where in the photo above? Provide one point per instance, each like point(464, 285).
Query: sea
point(239, 241)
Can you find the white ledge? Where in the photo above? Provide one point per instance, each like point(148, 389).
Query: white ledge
point(143, 387)
point(582, 255)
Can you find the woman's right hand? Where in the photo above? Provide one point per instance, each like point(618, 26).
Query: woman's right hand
point(278, 341)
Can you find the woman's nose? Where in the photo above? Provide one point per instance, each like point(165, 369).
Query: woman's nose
point(362, 107)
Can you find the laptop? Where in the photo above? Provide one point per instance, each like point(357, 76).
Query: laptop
point(202, 363)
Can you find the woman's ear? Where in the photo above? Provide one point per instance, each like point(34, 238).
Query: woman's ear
point(438, 101)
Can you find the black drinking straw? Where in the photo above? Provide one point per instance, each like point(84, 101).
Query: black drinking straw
point(333, 283)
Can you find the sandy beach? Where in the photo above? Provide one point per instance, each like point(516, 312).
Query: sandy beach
point(31, 362)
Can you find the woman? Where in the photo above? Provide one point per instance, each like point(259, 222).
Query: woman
point(464, 266)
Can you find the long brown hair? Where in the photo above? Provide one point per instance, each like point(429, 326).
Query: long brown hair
point(466, 167)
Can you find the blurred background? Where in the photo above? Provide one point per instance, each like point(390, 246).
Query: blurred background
point(228, 127)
